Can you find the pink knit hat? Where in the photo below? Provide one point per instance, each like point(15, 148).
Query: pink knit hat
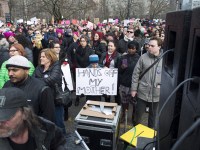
point(8, 34)
point(59, 31)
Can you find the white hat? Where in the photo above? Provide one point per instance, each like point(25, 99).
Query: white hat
point(18, 61)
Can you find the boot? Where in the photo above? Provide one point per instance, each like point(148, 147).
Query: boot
point(77, 101)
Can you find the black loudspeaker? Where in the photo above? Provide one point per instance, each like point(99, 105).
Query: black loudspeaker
point(177, 38)
point(190, 109)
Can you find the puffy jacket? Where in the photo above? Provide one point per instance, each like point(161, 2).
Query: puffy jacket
point(148, 88)
point(4, 73)
point(47, 137)
point(51, 76)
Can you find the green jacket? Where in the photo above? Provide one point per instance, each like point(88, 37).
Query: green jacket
point(4, 73)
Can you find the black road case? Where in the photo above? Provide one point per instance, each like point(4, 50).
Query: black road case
point(99, 133)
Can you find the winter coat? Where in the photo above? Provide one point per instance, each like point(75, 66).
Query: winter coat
point(99, 47)
point(40, 96)
point(4, 73)
point(47, 137)
point(125, 74)
point(4, 55)
point(29, 54)
point(51, 76)
point(114, 61)
point(82, 56)
point(148, 88)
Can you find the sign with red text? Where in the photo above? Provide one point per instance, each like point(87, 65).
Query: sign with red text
point(96, 81)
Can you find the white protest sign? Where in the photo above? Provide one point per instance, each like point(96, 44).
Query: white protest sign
point(104, 21)
point(68, 78)
point(126, 22)
point(96, 81)
point(111, 20)
point(90, 25)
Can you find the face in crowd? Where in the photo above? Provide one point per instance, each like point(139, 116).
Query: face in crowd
point(83, 42)
point(153, 47)
point(14, 126)
point(130, 33)
point(111, 47)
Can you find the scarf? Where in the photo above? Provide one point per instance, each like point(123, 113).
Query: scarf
point(109, 58)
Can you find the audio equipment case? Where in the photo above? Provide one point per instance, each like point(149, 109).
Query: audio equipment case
point(99, 133)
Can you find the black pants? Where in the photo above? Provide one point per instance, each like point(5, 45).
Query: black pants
point(141, 108)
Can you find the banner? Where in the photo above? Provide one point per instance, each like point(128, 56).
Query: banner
point(96, 81)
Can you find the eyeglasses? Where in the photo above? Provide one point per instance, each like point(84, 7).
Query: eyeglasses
point(12, 50)
point(37, 33)
point(151, 45)
point(129, 31)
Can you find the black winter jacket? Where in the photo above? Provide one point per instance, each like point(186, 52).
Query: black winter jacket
point(99, 47)
point(51, 76)
point(125, 74)
point(82, 56)
point(47, 137)
point(40, 96)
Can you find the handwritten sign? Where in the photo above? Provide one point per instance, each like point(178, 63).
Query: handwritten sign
point(96, 81)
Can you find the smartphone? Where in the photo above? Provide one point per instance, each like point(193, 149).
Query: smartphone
point(124, 62)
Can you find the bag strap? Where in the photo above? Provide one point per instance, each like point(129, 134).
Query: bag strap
point(140, 77)
point(66, 88)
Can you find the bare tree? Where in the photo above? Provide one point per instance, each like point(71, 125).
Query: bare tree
point(156, 7)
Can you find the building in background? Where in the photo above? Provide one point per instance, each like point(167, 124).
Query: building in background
point(4, 11)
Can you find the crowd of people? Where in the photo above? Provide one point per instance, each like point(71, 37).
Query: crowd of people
point(31, 57)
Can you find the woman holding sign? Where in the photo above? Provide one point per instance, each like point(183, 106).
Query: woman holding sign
point(110, 59)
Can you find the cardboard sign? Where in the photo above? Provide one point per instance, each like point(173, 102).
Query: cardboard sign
point(68, 78)
point(96, 20)
point(96, 81)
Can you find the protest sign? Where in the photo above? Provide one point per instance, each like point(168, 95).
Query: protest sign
point(67, 22)
point(96, 81)
point(96, 20)
point(68, 77)
point(74, 21)
point(90, 25)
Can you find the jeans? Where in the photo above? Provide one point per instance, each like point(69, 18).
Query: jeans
point(141, 108)
point(59, 112)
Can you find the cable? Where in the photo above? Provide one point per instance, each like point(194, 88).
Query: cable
point(185, 134)
point(195, 79)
